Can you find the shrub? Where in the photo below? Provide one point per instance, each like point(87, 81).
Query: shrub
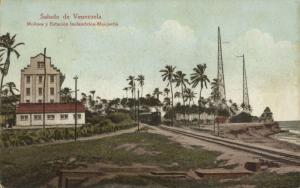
point(23, 137)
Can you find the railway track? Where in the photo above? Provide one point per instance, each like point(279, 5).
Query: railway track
point(280, 156)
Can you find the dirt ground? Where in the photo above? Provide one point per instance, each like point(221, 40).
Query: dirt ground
point(229, 156)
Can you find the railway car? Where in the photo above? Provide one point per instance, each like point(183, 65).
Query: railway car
point(151, 118)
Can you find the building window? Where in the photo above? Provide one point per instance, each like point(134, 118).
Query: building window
point(63, 116)
point(24, 117)
point(40, 101)
point(40, 79)
point(27, 79)
point(37, 117)
point(40, 91)
point(78, 116)
point(27, 101)
point(40, 65)
point(28, 91)
point(50, 117)
point(52, 91)
point(52, 101)
point(51, 78)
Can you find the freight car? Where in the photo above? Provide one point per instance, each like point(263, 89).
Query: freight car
point(151, 118)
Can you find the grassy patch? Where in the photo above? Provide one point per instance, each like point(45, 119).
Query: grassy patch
point(273, 180)
point(35, 165)
point(261, 180)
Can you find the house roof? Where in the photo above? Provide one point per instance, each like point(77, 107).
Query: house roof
point(26, 108)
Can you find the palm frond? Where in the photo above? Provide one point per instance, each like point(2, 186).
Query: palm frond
point(21, 43)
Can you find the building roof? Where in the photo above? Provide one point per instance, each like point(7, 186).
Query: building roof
point(26, 108)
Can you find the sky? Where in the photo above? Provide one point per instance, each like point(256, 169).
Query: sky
point(152, 34)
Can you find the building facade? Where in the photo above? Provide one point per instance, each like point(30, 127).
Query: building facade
point(31, 114)
point(32, 109)
point(32, 81)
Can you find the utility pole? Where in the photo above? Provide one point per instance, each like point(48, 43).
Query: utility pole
point(134, 102)
point(75, 131)
point(138, 111)
point(44, 91)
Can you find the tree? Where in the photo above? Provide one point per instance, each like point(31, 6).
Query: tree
point(65, 94)
point(141, 81)
point(267, 115)
point(126, 90)
point(7, 44)
point(131, 84)
point(148, 96)
point(199, 77)
point(83, 98)
point(156, 93)
point(246, 108)
point(93, 93)
point(168, 74)
point(167, 102)
point(167, 91)
point(189, 95)
point(11, 86)
point(182, 82)
point(234, 108)
point(177, 95)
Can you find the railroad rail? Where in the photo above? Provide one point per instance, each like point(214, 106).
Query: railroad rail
point(280, 156)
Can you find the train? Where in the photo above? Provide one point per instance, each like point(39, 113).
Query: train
point(151, 118)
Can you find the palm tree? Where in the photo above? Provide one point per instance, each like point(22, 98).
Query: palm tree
point(168, 74)
point(8, 45)
point(199, 77)
point(83, 98)
point(11, 86)
point(126, 90)
point(167, 91)
point(189, 95)
point(177, 95)
point(93, 93)
point(156, 93)
point(167, 101)
point(182, 82)
point(131, 84)
point(141, 81)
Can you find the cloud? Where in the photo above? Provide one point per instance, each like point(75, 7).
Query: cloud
point(104, 58)
point(272, 72)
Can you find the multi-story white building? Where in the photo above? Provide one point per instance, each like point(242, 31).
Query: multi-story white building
point(31, 110)
point(32, 81)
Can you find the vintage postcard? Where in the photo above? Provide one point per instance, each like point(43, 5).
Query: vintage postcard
point(139, 93)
